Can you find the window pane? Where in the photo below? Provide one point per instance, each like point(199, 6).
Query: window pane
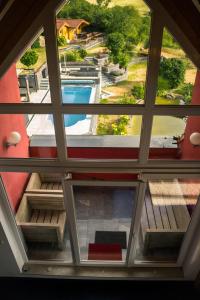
point(103, 136)
point(166, 215)
point(104, 216)
point(19, 135)
point(38, 207)
point(89, 56)
point(32, 73)
point(176, 82)
point(175, 138)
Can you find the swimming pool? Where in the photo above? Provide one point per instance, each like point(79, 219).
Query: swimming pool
point(75, 95)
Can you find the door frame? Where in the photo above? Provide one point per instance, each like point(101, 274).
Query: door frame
point(71, 215)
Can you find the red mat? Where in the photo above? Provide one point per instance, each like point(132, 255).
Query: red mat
point(104, 252)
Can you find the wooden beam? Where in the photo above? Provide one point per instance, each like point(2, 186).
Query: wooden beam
point(22, 23)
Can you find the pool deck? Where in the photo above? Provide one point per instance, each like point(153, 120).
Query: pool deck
point(42, 124)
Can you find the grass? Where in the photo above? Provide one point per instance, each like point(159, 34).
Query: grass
point(41, 60)
point(164, 101)
point(171, 52)
point(162, 126)
point(139, 4)
point(137, 72)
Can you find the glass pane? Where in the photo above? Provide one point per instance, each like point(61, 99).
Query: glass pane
point(166, 215)
point(19, 136)
point(177, 75)
point(103, 46)
point(175, 138)
point(32, 73)
point(38, 207)
point(105, 136)
point(104, 216)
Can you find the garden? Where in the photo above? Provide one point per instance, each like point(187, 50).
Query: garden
point(126, 27)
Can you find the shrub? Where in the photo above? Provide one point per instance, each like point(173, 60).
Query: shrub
point(127, 100)
point(36, 44)
point(82, 53)
point(172, 69)
point(61, 41)
point(72, 56)
point(120, 127)
point(138, 91)
point(103, 101)
point(163, 86)
point(104, 129)
point(29, 58)
point(186, 90)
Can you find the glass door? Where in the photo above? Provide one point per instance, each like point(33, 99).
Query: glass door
point(102, 217)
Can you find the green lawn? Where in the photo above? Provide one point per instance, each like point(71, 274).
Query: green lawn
point(162, 126)
point(164, 101)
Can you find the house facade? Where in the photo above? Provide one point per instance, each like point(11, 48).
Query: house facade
point(70, 28)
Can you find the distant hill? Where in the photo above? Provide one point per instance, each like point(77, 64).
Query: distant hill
point(139, 4)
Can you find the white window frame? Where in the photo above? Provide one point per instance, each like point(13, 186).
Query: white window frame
point(62, 164)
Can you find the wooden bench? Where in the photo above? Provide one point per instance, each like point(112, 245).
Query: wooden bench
point(165, 217)
point(42, 218)
point(44, 183)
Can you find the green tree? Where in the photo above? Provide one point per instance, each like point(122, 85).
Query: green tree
point(29, 58)
point(123, 60)
point(78, 9)
point(116, 43)
point(82, 53)
point(172, 69)
point(61, 41)
point(103, 3)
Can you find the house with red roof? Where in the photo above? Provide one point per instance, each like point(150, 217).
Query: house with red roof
point(70, 28)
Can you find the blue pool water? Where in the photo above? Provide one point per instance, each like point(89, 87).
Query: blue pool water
point(75, 95)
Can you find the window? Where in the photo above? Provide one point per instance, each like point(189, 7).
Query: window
point(101, 149)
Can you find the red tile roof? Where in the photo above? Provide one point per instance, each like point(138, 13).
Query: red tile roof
point(72, 23)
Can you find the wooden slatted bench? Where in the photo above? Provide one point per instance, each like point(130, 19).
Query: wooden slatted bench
point(44, 183)
point(165, 217)
point(42, 218)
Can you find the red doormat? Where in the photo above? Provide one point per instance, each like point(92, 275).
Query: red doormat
point(104, 252)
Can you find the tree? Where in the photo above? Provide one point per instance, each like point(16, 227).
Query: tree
point(29, 58)
point(82, 53)
point(115, 43)
point(123, 60)
point(103, 3)
point(61, 41)
point(172, 69)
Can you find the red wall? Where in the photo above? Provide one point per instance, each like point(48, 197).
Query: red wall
point(9, 93)
point(104, 153)
point(188, 151)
